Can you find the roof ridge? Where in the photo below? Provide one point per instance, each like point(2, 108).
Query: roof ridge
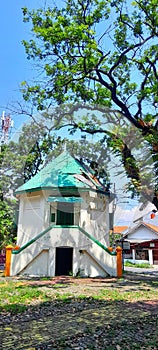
point(151, 226)
point(155, 227)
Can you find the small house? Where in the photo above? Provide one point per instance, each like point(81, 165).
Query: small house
point(140, 244)
point(63, 225)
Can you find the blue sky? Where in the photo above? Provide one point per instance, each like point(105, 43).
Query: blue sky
point(14, 66)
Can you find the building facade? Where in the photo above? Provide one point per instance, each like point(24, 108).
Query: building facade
point(63, 225)
point(142, 242)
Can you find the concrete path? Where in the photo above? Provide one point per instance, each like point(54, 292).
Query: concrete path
point(153, 271)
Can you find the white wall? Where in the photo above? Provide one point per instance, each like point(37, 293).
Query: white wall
point(95, 216)
point(35, 217)
point(31, 215)
point(69, 238)
point(38, 266)
point(142, 233)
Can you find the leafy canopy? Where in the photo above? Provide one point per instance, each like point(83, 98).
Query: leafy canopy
point(100, 52)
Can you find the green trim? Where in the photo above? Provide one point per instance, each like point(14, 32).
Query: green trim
point(65, 199)
point(40, 188)
point(63, 189)
point(63, 226)
point(96, 241)
point(33, 240)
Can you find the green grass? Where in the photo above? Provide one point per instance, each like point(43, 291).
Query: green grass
point(137, 295)
point(18, 296)
point(103, 316)
point(143, 265)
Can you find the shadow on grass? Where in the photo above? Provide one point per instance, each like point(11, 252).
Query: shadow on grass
point(80, 323)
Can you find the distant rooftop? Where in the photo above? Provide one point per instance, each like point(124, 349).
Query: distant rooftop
point(141, 223)
point(153, 227)
point(120, 229)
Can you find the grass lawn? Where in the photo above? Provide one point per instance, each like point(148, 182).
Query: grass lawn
point(141, 265)
point(79, 314)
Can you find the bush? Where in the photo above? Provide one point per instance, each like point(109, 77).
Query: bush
point(142, 265)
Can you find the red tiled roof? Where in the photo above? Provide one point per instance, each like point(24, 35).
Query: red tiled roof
point(119, 229)
point(153, 227)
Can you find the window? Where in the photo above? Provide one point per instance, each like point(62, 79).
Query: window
point(65, 214)
point(52, 214)
point(52, 217)
point(142, 254)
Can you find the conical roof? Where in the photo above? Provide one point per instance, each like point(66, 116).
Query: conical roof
point(62, 172)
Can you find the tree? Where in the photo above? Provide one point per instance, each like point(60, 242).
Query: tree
point(20, 161)
point(103, 53)
point(23, 158)
point(7, 222)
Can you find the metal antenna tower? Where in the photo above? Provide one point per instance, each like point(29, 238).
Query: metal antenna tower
point(6, 125)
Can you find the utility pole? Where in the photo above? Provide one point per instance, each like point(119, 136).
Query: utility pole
point(113, 213)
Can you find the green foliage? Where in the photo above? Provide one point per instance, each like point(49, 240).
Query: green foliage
point(23, 159)
point(141, 265)
point(7, 222)
point(19, 162)
point(114, 238)
point(102, 53)
point(71, 45)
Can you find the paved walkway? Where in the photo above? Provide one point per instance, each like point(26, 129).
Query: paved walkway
point(153, 271)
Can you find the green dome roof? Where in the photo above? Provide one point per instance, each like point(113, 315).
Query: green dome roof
point(62, 172)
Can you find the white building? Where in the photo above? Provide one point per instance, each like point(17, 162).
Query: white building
point(63, 223)
point(143, 244)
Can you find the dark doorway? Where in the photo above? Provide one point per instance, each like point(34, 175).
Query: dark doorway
point(63, 264)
